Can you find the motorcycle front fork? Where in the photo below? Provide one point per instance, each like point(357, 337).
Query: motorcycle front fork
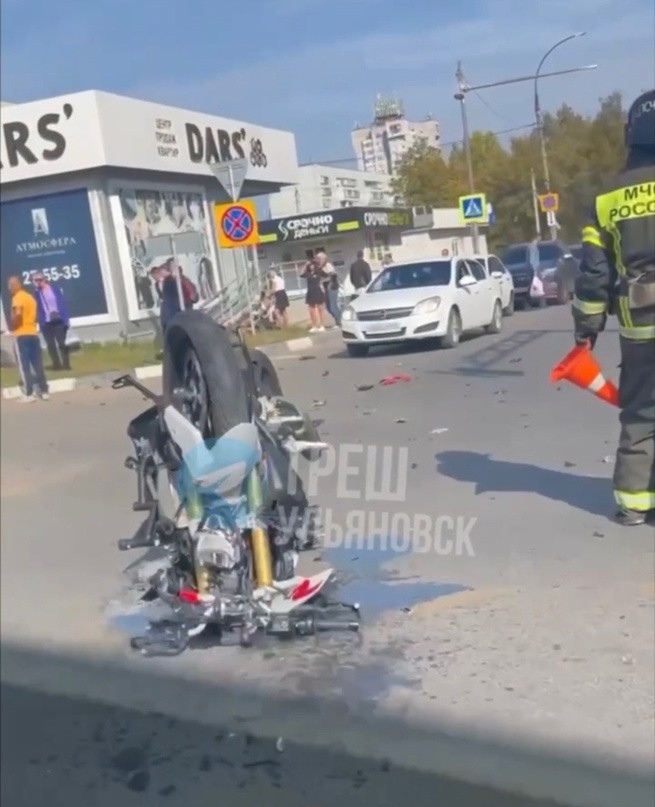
point(259, 539)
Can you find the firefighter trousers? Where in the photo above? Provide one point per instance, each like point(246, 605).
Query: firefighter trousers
point(634, 473)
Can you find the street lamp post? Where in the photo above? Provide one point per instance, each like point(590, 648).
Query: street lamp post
point(539, 117)
point(464, 89)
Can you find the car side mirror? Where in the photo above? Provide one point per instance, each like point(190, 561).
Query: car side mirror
point(466, 281)
point(497, 275)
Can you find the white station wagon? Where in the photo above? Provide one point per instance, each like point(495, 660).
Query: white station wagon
point(423, 299)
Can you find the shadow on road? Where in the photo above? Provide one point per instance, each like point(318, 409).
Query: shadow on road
point(588, 493)
point(140, 738)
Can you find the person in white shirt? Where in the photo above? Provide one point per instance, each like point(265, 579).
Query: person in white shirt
point(280, 298)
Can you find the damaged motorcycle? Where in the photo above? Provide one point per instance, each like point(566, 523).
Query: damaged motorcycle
point(223, 444)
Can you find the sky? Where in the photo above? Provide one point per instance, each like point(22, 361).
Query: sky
point(314, 67)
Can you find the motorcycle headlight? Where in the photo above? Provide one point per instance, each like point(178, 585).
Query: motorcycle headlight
point(427, 306)
point(348, 314)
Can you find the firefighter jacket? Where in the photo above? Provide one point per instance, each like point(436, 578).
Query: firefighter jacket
point(617, 272)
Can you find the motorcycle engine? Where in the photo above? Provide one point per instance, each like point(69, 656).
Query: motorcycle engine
point(222, 554)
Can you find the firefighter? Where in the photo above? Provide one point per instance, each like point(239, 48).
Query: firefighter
point(618, 277)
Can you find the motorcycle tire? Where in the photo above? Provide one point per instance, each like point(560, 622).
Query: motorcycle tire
point(193, 336)
point(267, 380)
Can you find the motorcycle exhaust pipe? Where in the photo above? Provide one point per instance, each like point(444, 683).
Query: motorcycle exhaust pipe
point(261, 547)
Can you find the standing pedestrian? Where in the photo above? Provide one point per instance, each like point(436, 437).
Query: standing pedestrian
point(24, 329)
point(315, 297)
point(280, 298)
point(54, 321)
point(331, 286)
point(360, 272)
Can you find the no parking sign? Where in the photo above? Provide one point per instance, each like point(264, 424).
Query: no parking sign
point(236, 225)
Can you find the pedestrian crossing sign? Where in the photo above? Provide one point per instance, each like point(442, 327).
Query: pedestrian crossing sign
point(473, 209)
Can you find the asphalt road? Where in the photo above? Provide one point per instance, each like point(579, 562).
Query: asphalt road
point(535, 619)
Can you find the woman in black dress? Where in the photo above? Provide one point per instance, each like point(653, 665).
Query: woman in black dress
point(315, 297)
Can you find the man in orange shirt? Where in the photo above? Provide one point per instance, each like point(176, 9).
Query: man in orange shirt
point(24, 329)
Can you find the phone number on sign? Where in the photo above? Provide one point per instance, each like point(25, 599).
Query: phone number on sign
point(53, 274)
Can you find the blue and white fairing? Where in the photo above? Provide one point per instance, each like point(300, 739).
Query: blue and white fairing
point(215, 472)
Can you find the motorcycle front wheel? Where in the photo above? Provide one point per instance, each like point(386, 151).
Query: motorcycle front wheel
point(200, 361)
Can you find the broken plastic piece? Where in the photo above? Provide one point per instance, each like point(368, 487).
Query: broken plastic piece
point(395, 379)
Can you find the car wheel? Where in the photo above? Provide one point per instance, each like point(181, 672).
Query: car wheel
point(542, 302)
point(357, 351)
point(454, 330)
point(563, 295)
point(496, 324)
point(509, 310)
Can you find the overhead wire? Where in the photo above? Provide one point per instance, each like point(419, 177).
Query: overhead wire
point(458, 142)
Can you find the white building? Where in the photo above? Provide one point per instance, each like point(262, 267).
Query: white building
point(380, 146)
point(326, 187)
point(98, 190)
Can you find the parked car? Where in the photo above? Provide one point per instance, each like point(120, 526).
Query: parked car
point(423, 299)
point(517, 261)
point(498, 271)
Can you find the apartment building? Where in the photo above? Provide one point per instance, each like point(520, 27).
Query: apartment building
point(380, 146)
point(324, 187)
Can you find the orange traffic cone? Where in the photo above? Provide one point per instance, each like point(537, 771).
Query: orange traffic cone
point(581, 368)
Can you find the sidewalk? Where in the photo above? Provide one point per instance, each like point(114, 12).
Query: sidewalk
point(278, 350)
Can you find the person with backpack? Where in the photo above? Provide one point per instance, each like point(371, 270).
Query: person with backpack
point(165, 277)
point(189, 291)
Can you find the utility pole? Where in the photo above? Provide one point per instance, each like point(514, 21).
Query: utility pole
point(535, 204)
point(464, 89)
point(461, 97)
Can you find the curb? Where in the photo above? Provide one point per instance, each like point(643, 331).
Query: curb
point(104, 380)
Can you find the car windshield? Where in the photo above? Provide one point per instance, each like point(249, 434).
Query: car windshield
point(412, 276)
point(515, 255)
point(549, 253)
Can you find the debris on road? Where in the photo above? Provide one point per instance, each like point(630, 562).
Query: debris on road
point(325, 372)
point(306, 358)
point(568, 464)
point(318, 404)
point(401, 420)
point(279, 745)
point(439, 431)
point(364, 387)
point(515, 361)
point(387, 381)
point(608, 460)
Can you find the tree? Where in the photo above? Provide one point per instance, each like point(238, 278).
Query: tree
point(581, 153)
point(424, 179)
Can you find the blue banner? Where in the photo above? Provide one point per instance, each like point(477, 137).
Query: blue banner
point(53, 234)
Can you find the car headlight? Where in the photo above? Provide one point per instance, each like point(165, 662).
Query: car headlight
point(348, 314)
point(427, 306)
